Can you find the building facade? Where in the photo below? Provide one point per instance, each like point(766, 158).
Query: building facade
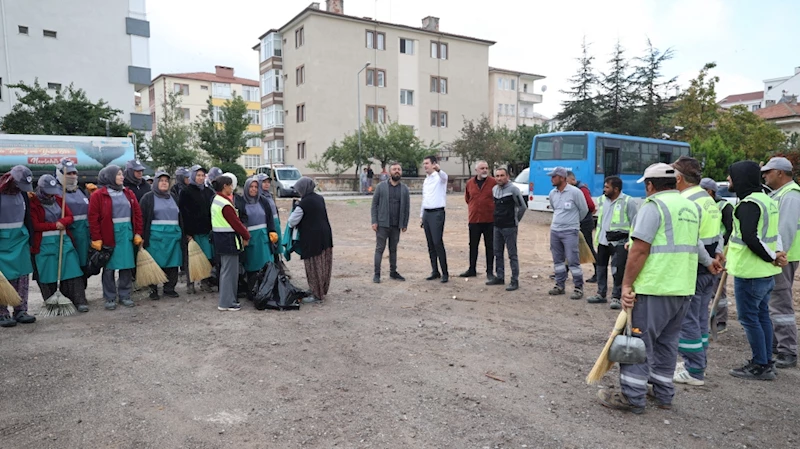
point(105, 53)
point(512, 98)
point(784, 115)
point(195, 89)
point(751, 100)
point(314, 88)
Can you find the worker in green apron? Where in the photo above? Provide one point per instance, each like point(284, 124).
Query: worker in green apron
point(16, 230)
point(256, 214)
point(53, 241)
point(266, 192)
point(162, 232)
point(78, 204)
point(115, 220)
point(195, 211)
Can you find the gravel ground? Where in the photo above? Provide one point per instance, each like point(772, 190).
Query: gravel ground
point(389, 365)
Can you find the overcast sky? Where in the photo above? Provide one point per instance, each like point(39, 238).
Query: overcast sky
point(749, 40)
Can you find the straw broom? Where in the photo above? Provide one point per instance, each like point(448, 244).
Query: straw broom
point(147, 270)
point(585, 252)
point(8, 295)
point(57, 304)
point(199, 267)
point(603, 365)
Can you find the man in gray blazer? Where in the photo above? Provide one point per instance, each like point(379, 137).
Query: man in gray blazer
point(390, 211)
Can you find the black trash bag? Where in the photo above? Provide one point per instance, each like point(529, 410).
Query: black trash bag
point(265, 288)
point(273, 290)
point(97, 260)
point(289, 296)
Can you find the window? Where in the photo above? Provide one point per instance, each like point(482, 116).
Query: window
point(49, 33)
point(252, 116)
point(187, 116)
point(300, 75)
point(299, 37)
point(499, 109)
point(439, 119)
point(755, 107)
point(500, 83)
point(376, 77)
point(513, 84)
point(629, 157)
point(274, 150)
point(407, 97)
point(376, 114)
point(217, 111)
point(560, 148)
point(203, 87)
point(438, 50)
point(376, 40)
point(406, 46)
point(439, 84)
point(1, 89)
point(271, 46)
point(525, 87)
point(271, 81)
point(512, 110)
point(250, 93)
point(272, 116)
point(54, 86)
point(301, 150)
point(221, 90)
point(254, 142)
point(301, 113)
point(23, 30)
point(251, 161)
point(182, 89)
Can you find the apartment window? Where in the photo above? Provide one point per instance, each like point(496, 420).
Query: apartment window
point(376, 40)
point(300, 75)
point(525, 87)
point(271, 46)
point(376, 114)
point(250, 93)
point(217, 112)
point(271, 81)
point(500, 109)
point(272, 116)
point(54, 86)
point(274, 150)
point(182, 89)
point(203, 87)
point(49, 33)
point(187, 116)
point(407, 97)
point(439, 119)
point(299, 37)
point(255, 142)
point(23, 30)
point(301, 150)
point(251, 161)
point(755, 107)
point(439, 84)
point(438, 50)
point(221, 90)
point(512, 109)
point(376, 77)
point(301, 113)
point(500, 83)
point(513, 84)
point(252, 116)
point(406, 46)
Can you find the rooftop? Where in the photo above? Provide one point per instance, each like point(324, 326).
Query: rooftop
point(219, 77)
point(514, 72)
point(750, 96)
point(780, 110)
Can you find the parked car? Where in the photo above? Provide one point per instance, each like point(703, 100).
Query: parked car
point(522, 183)
point(283, 178)
point(724, 193)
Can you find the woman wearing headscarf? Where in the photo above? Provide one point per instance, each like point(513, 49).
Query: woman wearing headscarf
point(16, 232)
point(230, 239)
point(310, 218)
point(256, 214)
point(213, 173)
point(194, 204)
point(115, 220)
point(134, 179)
point(181, 181)
point(49, 243)
point(162, 232)
point(78, 204)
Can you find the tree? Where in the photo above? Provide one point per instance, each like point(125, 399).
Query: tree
point(616, 101)
point(744, 132)
point(523, 142)
point(652, 93)
point(580, 112)
point(223, 136)
point(171, 145)
point(696, 107)
point(478, 140)
point(715, 156)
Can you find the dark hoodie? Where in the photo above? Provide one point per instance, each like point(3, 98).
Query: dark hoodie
point(746, 180)
point(137, 186)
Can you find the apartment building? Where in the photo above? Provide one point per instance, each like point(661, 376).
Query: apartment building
point(105, 53)
point(512, 98)
point(195, 88)
point(420, 76)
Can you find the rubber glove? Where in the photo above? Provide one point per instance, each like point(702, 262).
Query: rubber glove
point(97, 245)
point(273, 237)
point(137, 240)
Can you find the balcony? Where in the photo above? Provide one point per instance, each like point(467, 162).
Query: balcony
point(527, 97)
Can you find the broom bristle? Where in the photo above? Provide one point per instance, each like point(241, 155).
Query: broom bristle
point(8, 295)
point(603, 365)
point(66, 309)
point(584, 251)
point(199, 267)
point(147, 270)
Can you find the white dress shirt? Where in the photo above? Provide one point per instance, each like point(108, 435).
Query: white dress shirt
point(434, 191)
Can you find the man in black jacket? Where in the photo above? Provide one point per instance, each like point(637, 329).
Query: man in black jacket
point(134, 179)
point(390, 213)
point(509, 207)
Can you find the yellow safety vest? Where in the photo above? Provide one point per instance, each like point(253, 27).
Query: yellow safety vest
point(620, 221)
point(218, 221)
point(710, 217)
point(743, 263)
point(671, 267)
point(793, 255)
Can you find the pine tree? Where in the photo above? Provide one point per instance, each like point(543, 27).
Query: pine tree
point(652, 92)
point(580, 111)
point(616, 101)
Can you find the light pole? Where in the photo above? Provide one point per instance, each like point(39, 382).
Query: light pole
point(358, 106)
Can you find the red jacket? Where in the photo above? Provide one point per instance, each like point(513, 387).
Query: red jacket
point(480, 201)
point(101, 226)
point(588, 195)
point(40, 225)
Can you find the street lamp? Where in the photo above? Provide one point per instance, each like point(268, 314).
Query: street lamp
point(358, 106)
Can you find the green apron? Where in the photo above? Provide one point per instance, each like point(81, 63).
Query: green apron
point(204, 242)
point(165, 243)
point(15, 251)
point(81, 239)
point(257, 253)
point(47, 259)
point(122, 258)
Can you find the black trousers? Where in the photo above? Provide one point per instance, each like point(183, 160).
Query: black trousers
point(172, 280)
point(433, 222)
point(618, 257)
point(587, 229)
point(391, 234)
point(476, 230)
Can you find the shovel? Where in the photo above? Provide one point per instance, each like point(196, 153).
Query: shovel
point(627, 349)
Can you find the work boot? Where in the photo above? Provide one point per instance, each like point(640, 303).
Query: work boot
point(496, 281)
point(445, 278)
point(434, 275)
point(171, 294)
point(597, 299)
point(24, 318)
point(83, 308)
point(616, 304)
point(722, 328)
point(396, 276)
point(190, 289)
point(376, 279)
point(659, 403)
point(512, 286)
point(468, 274)
point(154, 293)
point(7, 321)
point(592, 280)
point(127, 302)
point(556, 291)
point(618, 401)
point(577, 294)
point(785, 361)
point(753, 371)
point(111, 304)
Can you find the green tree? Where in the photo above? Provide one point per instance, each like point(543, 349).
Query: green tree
point(580, 112)
point(652, 91)
point(172, 144)
point(746, 133)
point(236, 169)
point(616, 101)
point(715, 155)
point(696, 107)
point(224, 136)
point(523, 142)
point(478, 140)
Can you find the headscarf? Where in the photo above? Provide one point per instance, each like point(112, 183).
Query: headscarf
point(161, 193)
point(233, 179)
point(130, 167)
point(304, 186)
point(180, 174)
point(63, 167)
point(45, 183)
point(252, 199)
point(108, 178)
point(16, 180)
point(213, 174)
point(193, 175)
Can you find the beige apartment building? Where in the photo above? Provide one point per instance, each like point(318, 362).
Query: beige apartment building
point(195, 88)
point(310, 81)
point(512, 98)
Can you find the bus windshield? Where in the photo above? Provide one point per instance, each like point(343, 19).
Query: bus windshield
point(560, 148)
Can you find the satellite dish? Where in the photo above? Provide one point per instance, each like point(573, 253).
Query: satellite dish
point(544, 88)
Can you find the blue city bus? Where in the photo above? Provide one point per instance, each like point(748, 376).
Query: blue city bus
point(593, 156)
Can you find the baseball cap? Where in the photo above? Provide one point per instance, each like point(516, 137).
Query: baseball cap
point(777, 163)
point(659, 170)
point(135, 165)
point(22, 177)
point(49, 185)
point(709, 184)
point(66, 166)
point(558, 171)
point(161, 173)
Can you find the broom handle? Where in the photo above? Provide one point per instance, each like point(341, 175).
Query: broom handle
point(713, 314)
point(61, 237)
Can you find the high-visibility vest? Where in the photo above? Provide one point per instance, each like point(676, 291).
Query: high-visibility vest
point(218, 221)
point(721, 205)
point(710, 217)
point(620, 221)
point(743, 263)
point(671, 266)
point(793, 255)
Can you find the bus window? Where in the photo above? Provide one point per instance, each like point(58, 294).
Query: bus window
point(629, 154)
point(650, 155)
point(560, 148)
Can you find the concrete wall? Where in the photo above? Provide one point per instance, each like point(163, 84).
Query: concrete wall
point(791, 86)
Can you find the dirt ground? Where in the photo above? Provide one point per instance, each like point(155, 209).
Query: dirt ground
point(389, 365)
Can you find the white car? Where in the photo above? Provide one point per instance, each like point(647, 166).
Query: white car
point(724, 193)
point(522, 182)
